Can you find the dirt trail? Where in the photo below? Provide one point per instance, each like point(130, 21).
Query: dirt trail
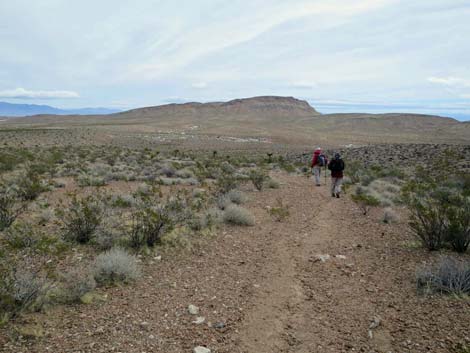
point(262, 289)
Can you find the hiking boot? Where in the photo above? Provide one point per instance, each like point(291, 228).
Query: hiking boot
point(333, 195)
point(337, 195)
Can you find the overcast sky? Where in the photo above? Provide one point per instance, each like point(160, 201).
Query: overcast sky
point(349, 55)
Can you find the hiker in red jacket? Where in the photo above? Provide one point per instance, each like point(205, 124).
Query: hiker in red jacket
point(336, 166)
point(319, 161)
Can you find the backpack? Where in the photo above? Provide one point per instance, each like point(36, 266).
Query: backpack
point(337, 165)
point(321, 161)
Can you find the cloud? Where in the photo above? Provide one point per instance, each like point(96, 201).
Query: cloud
point(28, 94)
point(302, 85)
point(199, 85)
point(450, 81)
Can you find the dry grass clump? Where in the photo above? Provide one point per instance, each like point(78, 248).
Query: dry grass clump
point(237, 197)
point(75, 284)
point(239, 216)
point(390, 216)
point(448, 276)
point(115, 265)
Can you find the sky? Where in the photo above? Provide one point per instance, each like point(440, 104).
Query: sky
point(340, 56)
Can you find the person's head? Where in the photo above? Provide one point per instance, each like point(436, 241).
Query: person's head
point(337, 156)
point(318, 150)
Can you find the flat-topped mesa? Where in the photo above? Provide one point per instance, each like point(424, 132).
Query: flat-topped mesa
point(274, 103)
point(266, 106)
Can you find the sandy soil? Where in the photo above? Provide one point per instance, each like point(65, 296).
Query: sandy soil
point(263, 289)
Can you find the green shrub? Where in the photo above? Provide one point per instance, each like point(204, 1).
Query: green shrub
point(365, 202)
point(258, 177)
point(114, 266)
point(226, 182)
point(81, 218)
point(10, 207)
point(239, 216)
point(21, 235)
point(148, 225)
point(30, 185)
point(438, 215)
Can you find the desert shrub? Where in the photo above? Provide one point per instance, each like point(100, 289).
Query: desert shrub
point(226, 182)
point(212, 217)
point(184, 173)
point(75, 284)
point(115, 265)
point(167, 171)
point(364, 201)
point(107, 235)
point(148, 224)
point(45, 216)
point(223, 201)
point(81, 218)
point(280, 212)
point(22, 290)
point(123, 201)
point(389, 216)
point(449, 276)
point(90, 180)
point(438, 214)
point(272, 184)
point(21, 235)
point(457, 231)
point(29, 184)
point(239, 216)
point(10, 207)
point(237, 197)
point(258, 177)
point(427, 221)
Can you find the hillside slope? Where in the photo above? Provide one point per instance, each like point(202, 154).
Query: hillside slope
point(283, 120)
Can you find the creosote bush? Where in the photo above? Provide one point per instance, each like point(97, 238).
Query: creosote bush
point(438, 215)
point(10, 207)
point(239, 216)
point(258, 177)
point(148, 225)
point(82, 218)
point(115, 265)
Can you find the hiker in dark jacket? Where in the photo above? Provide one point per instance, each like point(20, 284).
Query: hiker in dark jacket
point(336, 166)
point(318, 162)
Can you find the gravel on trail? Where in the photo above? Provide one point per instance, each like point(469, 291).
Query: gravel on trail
point(268, 288)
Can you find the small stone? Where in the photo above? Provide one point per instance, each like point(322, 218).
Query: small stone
point(219, 325)
point(193, 309)
point(158, 258)
point(322, 257)
point(341, 257)
point(199, 320)
point(200, 349)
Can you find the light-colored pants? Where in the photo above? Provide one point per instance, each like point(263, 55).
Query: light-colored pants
point(336, 185)
point(317, 174)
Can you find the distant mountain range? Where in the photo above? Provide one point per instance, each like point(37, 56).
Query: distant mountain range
point(16, 110)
